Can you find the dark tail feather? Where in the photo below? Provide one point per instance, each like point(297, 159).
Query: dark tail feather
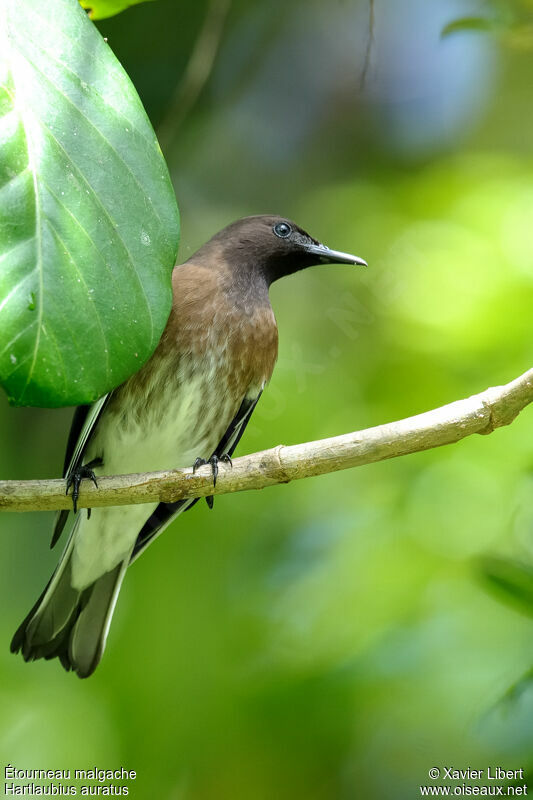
point(69, 624)
point(89, 633)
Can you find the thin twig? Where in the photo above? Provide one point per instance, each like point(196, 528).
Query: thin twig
point(369, 42)
point(197, 71)
point(481, 413)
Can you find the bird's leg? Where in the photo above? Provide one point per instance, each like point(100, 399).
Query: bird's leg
point(74, 480)
point(214, 461)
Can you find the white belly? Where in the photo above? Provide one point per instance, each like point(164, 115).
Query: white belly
point(188, 421)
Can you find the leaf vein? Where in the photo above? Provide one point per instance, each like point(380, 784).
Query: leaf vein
point(16, 287)
point(92, 124)
point(20, 243)
point(55, 232)
point(19, 334)
point(75, 168)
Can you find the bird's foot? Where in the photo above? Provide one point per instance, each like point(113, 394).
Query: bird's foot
point(214, 462)
point(74, 480)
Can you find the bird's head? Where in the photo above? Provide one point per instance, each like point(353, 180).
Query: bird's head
point(276, 246)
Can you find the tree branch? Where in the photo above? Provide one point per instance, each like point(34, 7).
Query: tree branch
point(481, 413)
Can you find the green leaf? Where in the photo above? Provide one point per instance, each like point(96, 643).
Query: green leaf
point(511, 580)
point(100, 9)
point(89, 226)
point(482, 24)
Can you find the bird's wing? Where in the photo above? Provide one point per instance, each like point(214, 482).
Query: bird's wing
point(166, 512)
point(83, 425)
point(232, 437)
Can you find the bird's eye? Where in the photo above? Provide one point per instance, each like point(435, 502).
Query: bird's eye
point(282, 230)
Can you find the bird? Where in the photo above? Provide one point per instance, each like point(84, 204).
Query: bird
point(188, 405)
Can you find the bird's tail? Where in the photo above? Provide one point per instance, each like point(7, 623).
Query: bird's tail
point(70, 624)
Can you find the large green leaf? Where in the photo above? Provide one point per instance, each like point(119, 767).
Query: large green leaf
point(88, 220)
point(100, 9)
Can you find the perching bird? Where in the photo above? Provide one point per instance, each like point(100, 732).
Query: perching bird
point(190, 403)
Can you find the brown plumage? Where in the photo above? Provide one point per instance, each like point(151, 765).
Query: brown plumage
point(191, 400)
point(244, 343)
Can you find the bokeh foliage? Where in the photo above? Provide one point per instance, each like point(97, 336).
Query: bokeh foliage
point(338, 637)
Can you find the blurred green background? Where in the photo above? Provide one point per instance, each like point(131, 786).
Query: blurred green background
point(337, 637)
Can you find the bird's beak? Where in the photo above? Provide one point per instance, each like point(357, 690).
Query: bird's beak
point(326, 256)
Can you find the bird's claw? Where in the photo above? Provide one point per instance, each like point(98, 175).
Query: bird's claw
point(75, 479)
point(214, 462)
